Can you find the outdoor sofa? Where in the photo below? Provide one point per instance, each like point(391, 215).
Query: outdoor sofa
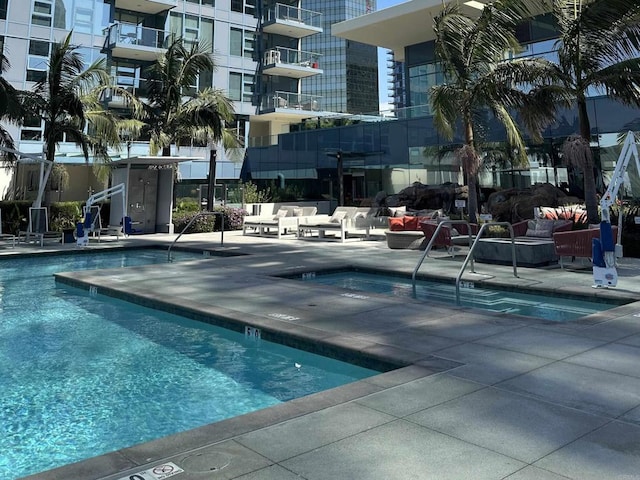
point(337, 224)
point(285, 219)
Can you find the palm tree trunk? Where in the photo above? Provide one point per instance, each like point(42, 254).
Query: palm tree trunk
point(470, 165)
point(590, 193)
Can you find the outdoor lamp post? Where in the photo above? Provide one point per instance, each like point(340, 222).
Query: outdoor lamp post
point(213, 155)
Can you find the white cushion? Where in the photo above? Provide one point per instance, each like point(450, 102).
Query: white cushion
point(281, 213)
point(541, 227)
point(337, 217)
point(398, 211)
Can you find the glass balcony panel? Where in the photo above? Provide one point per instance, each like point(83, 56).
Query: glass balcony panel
point(291, 63)
point(127, 40)
point(291, 21)
point(291, 101)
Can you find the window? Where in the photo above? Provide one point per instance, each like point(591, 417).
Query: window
point(192, 29)
point(37, 61)
point(46, 15)
point(31, 129)
point(235, 86)
point(83, 21)
point(3, 9)
point(241, 86)
point(244, 6)
point(248, 81)
point(236, 5)
point(238, 126)
point(242, 43)
point(42, 13)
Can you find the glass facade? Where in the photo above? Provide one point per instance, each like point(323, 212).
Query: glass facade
point(83, 16)
point(349, 82)
point(391, 155)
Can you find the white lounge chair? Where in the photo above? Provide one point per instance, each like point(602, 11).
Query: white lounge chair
point(342, 219)
point(6, 237)
point(285, 220)
point(38, 228)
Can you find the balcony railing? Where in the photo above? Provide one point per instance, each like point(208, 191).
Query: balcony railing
point(291, 21)
point(135, 86)
point(134, 41)
point(291, 100)
point(288, 62)
point(291, 57)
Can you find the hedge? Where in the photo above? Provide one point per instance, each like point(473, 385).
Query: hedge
point(233, 218)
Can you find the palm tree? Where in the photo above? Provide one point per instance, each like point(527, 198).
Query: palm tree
point(58, 100)
point(69, 100)
point(171, 116)
point(478, 81)
point(598, 50)
point(11, 110)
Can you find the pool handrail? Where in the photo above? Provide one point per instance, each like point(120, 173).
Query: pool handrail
point(473, 247)
point(197, 215)
point(432, 241)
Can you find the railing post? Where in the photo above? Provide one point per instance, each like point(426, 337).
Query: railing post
point(200, 214)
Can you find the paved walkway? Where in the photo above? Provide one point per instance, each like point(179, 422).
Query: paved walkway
point(481, 395)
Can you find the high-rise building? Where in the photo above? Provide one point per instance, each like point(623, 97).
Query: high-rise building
point(396, 81)
point(391, 153)
point(258, 47)
point(349, 82)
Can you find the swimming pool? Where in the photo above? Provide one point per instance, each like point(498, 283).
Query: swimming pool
point(544, 305)
point(84, 375)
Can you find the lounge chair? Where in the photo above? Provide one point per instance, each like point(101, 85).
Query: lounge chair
point(342, 219)
point(38, 228)
point(285, 220)
point(6, 237)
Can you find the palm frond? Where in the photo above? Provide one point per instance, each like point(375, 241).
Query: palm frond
point(621, 81)
point(514, 137)
point(446, 106)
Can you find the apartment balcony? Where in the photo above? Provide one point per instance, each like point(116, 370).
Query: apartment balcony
point(287, 62)
point(290, 105)
point(126, 40)
point(149, 7)
point(291, 21)
point(135, 86)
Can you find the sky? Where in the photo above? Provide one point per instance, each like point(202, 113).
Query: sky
point(382, 61)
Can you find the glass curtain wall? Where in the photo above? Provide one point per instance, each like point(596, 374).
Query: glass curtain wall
point(349, 83)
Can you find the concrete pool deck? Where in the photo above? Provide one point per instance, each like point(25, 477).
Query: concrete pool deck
point(482, 395)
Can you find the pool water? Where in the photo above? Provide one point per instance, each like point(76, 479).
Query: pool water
point(543, 306)
point(84, 375)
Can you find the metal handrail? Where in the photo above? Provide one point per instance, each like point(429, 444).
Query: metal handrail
point(473, 247)
point(199, 214)
point(432, 241)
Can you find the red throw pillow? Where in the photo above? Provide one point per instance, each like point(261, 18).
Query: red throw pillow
point(411, 223)
point(396, 224)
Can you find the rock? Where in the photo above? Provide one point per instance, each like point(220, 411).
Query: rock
point(423, 197)
point(380, 199)
point(513, 205)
